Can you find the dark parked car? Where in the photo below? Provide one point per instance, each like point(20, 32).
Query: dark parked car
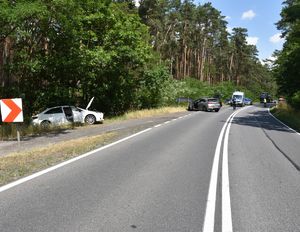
point(247, 101)
point(205, 104)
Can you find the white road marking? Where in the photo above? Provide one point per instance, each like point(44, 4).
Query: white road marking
point(158, 125)
point(209, 218)
point(33, 176)
point(283, 123)
point(226, 205)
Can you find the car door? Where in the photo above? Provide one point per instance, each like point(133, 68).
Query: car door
point(68, 114)
point(77, 114)
point(201, 104)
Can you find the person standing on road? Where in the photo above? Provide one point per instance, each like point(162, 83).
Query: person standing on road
point(233, 103)
point(265, 102)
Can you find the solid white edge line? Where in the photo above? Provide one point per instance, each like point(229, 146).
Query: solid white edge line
point(282, 122)
point(35, 175)
point(158, 125)
point(209, 218)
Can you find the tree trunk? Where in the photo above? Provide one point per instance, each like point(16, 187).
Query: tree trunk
point(202, 60)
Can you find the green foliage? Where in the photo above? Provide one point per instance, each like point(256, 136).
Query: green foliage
point(153, 84)
point(295, 100)
point(68, 51)
point(287, 65)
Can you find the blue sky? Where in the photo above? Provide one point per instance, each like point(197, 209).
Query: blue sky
point(258, 16)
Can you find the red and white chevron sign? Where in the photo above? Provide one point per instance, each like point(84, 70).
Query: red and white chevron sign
point(11, 110)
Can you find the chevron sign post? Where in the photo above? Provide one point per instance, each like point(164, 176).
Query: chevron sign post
point(11, 110)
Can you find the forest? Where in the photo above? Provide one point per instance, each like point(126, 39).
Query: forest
point(287, 65)
point(55, 52)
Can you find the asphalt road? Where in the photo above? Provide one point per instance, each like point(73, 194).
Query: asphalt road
point(164, 178)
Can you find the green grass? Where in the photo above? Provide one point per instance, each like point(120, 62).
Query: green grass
point(288, 115)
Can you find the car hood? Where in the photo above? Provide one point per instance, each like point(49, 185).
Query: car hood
point(85, 110)
point(90, 102)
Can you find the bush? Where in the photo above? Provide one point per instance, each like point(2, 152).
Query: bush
point(295, 100)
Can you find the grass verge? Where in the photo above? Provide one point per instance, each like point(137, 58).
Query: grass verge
point(20, 164)
point(9, 131)
point(146, 113)
point(288, 115)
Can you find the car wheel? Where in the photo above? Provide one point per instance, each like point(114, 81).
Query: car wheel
point(90, 119)
point(217, 110)
point(45, 124)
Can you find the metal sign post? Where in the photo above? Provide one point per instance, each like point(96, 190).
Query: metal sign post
point(18, 135)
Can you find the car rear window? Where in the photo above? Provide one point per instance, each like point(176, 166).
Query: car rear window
point(56, 110)
point(214, 100)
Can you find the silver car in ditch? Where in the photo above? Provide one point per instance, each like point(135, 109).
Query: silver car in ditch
point(60, 115)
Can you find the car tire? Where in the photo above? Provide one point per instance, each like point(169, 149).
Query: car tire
point(90, 119)
point(217, 110)
point(45, 124)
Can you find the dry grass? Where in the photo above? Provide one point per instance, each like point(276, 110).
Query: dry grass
point(20, 164)
point(288, 115)
point(146, 113)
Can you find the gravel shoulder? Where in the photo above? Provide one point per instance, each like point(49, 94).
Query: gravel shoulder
point(123, 128)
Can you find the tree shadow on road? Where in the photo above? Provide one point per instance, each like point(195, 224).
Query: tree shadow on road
point(261, 119)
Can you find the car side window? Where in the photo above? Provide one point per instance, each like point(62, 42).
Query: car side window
point(56, 110)
point(68, 110)
point(76, 109)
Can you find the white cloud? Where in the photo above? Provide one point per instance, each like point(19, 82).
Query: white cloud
point(272, 58)
point(252, 40)
point(276, 38)
point(137, 2)
point(250, 14)
point(227, 18)
point(229, 29)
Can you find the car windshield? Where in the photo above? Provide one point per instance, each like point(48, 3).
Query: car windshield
point(238, 97)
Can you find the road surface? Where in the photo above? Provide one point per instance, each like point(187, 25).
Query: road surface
point(226, 171)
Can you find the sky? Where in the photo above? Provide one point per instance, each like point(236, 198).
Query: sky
point(258, 17)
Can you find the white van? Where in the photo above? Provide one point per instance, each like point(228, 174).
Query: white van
point(239, 98)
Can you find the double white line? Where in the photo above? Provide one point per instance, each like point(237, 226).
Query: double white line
point(209, 220)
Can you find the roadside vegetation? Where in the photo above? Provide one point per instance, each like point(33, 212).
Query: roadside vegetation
point(287, 114)
point(9, 131)
point(127, 57)
point(287, 65)
point(24, 163)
